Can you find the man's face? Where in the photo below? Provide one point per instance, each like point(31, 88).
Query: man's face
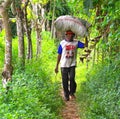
point(69, 37)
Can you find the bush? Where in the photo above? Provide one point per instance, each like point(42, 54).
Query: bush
point(100, 94)
point(32, 93)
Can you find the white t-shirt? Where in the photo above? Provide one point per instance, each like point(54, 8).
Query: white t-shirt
point(68, 51)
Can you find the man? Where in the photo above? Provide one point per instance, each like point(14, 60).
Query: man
point(67, 54)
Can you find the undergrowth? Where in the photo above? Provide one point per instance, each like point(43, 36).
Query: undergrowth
point(33, 93)
point(99, 96)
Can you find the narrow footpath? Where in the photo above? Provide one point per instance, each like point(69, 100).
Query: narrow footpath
point(70, 110)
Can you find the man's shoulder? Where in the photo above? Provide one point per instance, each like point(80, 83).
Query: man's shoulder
point(75, 40)
point(62, 42)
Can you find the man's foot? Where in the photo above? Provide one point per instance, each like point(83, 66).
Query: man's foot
point(72, 97)
point(66, 98)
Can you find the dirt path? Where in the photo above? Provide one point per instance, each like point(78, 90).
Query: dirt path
point(70, 110)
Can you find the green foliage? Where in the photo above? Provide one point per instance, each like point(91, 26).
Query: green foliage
point(88, 4)
point(15, 52)
point(2, 47)
point(61, 8)
point(100, 94)
point(48, 47)
point(40, 1)
point(33, 94)
point(13, 28)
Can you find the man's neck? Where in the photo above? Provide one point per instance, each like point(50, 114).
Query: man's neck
point(68, 40)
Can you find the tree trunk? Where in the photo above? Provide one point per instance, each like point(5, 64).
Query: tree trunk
point(7, 71)
point(38, 51)
point(48, 11)
point(43, 21)
point(20, 33)
point(38, 28)
point(29, 49)
point(28, 32)
point(52, 26)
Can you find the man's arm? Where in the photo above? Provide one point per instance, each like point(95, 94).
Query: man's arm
point(57, 64)
point(81, 45)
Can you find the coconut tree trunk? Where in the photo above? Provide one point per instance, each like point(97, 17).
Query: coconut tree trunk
point(7, 71)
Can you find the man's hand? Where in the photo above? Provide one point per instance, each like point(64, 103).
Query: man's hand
point(56, 70)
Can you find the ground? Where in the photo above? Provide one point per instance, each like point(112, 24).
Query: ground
point(70, 110)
